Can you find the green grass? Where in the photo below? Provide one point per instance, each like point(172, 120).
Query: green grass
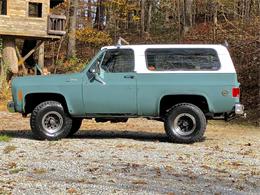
point(16, 170)
point(4, 138)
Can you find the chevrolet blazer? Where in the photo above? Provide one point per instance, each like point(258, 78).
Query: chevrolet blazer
point(180, 85)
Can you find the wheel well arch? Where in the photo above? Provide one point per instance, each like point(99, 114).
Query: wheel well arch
point(168, 101)
point(34, 99)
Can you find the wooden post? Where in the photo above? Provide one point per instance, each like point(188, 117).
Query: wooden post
point(9, 54)
point(41, 56)
point(19, 58)
point(30, 53)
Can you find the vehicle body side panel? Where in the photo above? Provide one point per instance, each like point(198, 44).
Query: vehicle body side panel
point(69, 86)
point(152, 87)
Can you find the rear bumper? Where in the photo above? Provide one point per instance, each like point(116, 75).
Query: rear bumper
point(11, 107)
point(237, 112)
point(239, 109)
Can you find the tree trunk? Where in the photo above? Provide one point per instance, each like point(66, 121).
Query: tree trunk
point(187, 15)
point(149, 17)
point(71, 52)
point(89, 11)
point(215, 21)
point(100, 15)
point(9, 54)
point(41, 56)
point(142, 16)
point(179, 22)
point(259, 95)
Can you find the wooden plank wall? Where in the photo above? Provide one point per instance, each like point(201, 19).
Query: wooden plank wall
point(18, 23)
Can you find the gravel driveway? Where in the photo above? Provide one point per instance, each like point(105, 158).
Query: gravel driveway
point(134, 158)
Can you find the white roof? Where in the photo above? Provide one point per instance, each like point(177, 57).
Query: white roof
point(220, 48)
point(225, 59)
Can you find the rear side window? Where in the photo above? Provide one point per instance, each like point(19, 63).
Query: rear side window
point(118, 60)
point(182, 59)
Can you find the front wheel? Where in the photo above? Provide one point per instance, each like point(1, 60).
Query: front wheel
point(185, 123)
point(50, 122)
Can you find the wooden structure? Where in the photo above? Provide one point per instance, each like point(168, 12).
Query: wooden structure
point(28, 20)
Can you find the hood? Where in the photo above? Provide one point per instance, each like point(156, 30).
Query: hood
point(55, 79)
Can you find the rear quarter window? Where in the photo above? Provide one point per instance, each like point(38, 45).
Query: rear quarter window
point(182, 59)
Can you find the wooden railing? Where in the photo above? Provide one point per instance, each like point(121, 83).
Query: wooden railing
point(56, 25)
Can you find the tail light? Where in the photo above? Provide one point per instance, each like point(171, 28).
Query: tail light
point(235, 92)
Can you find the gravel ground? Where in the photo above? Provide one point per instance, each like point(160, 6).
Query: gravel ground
point(131, 158)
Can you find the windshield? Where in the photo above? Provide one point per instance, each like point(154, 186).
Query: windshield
point(95, 60)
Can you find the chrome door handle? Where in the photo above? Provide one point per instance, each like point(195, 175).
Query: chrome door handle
point(129, 77)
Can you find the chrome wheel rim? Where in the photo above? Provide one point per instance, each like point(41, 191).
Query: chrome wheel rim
point(52, 122)
point(184, 124)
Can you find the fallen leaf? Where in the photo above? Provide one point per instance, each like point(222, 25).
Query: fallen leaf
point(139, 182)
point(72, 190)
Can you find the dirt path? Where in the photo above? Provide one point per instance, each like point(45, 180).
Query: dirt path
point(135, 157)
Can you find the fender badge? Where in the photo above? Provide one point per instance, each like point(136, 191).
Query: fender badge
point(225, 92)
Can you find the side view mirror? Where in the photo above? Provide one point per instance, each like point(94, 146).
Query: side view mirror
point(96, 76)
point(93, 71)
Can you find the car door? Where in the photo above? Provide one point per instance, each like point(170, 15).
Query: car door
point(112, 90)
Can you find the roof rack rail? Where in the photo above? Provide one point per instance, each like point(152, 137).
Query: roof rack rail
point(226, 44)
point(120, 40)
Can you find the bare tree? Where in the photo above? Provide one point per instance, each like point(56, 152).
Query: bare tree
point(73, 5)
point(100, 15)
point(142, 16)
point(150, 7)
point(187, 15)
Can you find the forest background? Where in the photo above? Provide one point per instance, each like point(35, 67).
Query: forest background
point(92, 24)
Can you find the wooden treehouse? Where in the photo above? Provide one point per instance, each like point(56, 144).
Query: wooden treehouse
point(31, 21)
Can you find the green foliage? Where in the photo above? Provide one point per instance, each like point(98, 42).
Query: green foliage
point(71, 65)
point(4, 138)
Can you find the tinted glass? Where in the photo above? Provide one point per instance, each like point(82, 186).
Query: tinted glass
point(3, 7)
point(35, 10)
point(182, 59)
point(118, 60)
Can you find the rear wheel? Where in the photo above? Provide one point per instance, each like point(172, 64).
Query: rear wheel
point(76, 124)
point(185, 123)
point(50, 122)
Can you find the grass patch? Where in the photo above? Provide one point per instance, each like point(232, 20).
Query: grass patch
point(17, 170)
point(4, 138)
point(9, 149)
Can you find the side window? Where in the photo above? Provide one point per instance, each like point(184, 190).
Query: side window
point(35, 10)
point(3, 7)
point(182, 59)
point(118, 60)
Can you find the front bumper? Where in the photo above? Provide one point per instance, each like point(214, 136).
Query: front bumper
point(11, 107)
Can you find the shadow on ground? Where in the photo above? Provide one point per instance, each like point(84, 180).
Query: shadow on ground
point(96, 134)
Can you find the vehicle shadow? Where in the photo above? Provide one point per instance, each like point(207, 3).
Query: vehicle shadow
point(99, 134)
point(96, 134)
point(110, 134)
point(23, 134)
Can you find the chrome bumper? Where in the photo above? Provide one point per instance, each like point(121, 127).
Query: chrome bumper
point(239, 109)
point(10, 107)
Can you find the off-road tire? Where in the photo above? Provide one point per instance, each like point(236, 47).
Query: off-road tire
point(76, 124)
point(37, 121)
point(194, 115)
